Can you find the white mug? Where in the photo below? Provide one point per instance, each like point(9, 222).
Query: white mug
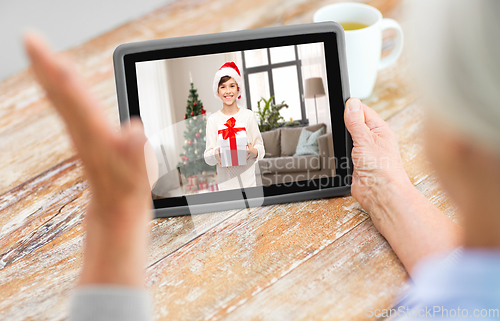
point(363, 46)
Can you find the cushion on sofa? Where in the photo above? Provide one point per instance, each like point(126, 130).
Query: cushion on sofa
point(292, 164)
point(271, 141)
point(308, 142)
point(290, 138)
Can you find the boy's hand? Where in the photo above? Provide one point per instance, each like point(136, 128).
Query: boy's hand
point(217, 155)
point(251, 151)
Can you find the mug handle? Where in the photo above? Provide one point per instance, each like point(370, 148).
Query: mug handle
point(398, 47)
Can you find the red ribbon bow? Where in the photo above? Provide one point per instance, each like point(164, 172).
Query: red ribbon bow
point(230, 132)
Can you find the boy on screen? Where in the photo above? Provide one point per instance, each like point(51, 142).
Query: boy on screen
point(233, 139)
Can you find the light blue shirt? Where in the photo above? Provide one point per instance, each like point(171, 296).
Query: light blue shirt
point(108, 302)
point(464, 285)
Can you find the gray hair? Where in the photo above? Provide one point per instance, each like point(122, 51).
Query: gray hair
point(458, 58)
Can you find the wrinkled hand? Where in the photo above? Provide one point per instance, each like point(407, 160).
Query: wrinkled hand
point(114, 164)
point(251, 151)
point(375, 155)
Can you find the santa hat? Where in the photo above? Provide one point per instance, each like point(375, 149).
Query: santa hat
point(229, 69)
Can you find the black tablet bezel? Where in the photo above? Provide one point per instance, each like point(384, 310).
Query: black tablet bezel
point(336, 74)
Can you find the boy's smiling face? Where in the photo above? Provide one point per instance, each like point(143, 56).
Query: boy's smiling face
point(228, 91)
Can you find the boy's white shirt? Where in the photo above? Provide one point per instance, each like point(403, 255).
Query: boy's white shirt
point(227, 177)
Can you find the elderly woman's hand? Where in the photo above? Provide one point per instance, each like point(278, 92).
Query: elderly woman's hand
point(411, 224)
point(375, 155)
point(114, 163)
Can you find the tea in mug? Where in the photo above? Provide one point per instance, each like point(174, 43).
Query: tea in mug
point(353, 25)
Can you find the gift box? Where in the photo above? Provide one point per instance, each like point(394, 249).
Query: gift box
point(190, 189)
point(212, 187)
point(232, 138)
point(192, 180)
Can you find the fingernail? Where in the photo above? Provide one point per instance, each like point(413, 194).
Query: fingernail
point(354, 104)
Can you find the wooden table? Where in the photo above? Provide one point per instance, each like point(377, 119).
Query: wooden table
point(320, 259)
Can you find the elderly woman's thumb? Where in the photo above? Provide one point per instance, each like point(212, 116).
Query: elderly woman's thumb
point(354, 118)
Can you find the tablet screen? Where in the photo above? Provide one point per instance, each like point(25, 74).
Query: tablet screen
point(279, 139)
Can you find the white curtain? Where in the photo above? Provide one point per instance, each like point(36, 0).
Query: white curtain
point(155, 103)
point(314, 65)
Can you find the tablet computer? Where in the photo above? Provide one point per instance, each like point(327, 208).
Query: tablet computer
point(240, 119)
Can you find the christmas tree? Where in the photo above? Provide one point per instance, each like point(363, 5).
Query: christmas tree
point(192, 160)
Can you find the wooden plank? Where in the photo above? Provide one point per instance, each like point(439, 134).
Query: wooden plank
point(39, 285)
point(245, 253)
point(170, 234)
point(38, 211)
point(339, 283)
